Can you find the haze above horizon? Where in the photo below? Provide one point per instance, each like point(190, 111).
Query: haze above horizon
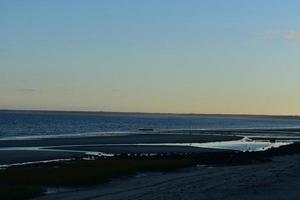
point(172, 56)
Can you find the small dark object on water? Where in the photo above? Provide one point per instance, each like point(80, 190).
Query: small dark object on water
point(146, 129)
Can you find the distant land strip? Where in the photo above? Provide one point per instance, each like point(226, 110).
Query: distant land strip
point(149, 113)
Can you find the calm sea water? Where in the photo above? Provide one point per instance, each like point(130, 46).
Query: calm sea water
point(45, 123)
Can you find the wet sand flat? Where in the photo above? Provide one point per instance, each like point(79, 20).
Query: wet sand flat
point(118, 149)
point(126, 139)
point(21, 156)
point(55, 148)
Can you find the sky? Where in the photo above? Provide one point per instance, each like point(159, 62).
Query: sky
point(170, 56)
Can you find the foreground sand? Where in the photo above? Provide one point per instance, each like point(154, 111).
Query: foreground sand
point(274, 180)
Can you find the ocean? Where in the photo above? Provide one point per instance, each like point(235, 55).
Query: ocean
point(30, 124)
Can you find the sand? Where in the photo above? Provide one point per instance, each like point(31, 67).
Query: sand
point(126, 139)
point(23, 156)
point(19, 151)
point(274, 180)
point(278, 179)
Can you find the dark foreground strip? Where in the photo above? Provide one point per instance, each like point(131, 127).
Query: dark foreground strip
point(25, 182)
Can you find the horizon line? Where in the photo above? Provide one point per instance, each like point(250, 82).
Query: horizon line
point(149, 113)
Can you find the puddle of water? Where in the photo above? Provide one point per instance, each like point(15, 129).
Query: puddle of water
point(55, 190)
point(238, 145)
point(241, 145)
point(34, 162)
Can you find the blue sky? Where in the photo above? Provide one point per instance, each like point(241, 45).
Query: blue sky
point(151, 56)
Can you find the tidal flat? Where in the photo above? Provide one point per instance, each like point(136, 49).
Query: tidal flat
point(83, 170)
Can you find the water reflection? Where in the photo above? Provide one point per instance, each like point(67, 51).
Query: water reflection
point(245, 144)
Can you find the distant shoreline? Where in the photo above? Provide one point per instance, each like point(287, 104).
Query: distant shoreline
point(150, 114)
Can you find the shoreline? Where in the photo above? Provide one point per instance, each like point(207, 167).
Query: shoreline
point(44, 149)
point(283, 132)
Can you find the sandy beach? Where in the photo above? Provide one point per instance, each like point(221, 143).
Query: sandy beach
point(278, 179)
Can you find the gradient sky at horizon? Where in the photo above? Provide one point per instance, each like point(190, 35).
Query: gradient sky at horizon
point(208, 56)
